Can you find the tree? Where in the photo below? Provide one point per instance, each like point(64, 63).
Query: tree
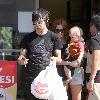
point(6, 33)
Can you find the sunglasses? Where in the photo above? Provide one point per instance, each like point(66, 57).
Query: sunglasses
point(38, 22)
point(59, 30)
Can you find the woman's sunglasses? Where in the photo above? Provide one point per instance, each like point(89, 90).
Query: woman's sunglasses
point(59, 30)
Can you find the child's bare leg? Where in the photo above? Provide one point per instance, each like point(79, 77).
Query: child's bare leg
point(68, 73)
point(65, 83)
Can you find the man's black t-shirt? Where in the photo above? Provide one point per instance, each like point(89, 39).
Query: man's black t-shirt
point(39, 49)
point(95, 45)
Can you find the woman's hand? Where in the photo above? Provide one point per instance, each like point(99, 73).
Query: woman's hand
point(22, 60)
point(56, 59)
point(74, 63)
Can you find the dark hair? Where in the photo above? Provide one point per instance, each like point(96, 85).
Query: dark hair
point(40, 13)
point(95, 20)
point(64, 24)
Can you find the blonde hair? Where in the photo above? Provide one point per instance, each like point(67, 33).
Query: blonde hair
point(77, 30)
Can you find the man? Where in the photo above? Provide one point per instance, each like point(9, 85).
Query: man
point(94, 83)
point(37, 48)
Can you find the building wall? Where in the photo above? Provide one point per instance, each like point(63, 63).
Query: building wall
point(57, 8)
point(9, 10)
point(8, 14)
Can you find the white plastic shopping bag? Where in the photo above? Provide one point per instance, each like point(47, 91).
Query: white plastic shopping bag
point(59, 92)
point(48, 84)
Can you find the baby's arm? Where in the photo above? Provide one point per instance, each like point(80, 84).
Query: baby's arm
point(82, 49)
point(80, 57)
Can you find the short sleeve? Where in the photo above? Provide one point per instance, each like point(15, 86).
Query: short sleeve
point(57, 42)
point(95, 44)
point(82, 46)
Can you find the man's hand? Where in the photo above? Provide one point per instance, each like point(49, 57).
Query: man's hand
point(90, 85)
point(22, 60)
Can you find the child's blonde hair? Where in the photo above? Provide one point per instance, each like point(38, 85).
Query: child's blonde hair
point(77, 30)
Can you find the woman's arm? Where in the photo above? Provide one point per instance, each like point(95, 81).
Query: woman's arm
point(74, 63)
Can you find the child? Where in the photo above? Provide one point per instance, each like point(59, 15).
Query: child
point(75, 50)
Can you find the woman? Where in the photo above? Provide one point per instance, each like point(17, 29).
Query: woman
point(76, 52)
point(60, 27)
